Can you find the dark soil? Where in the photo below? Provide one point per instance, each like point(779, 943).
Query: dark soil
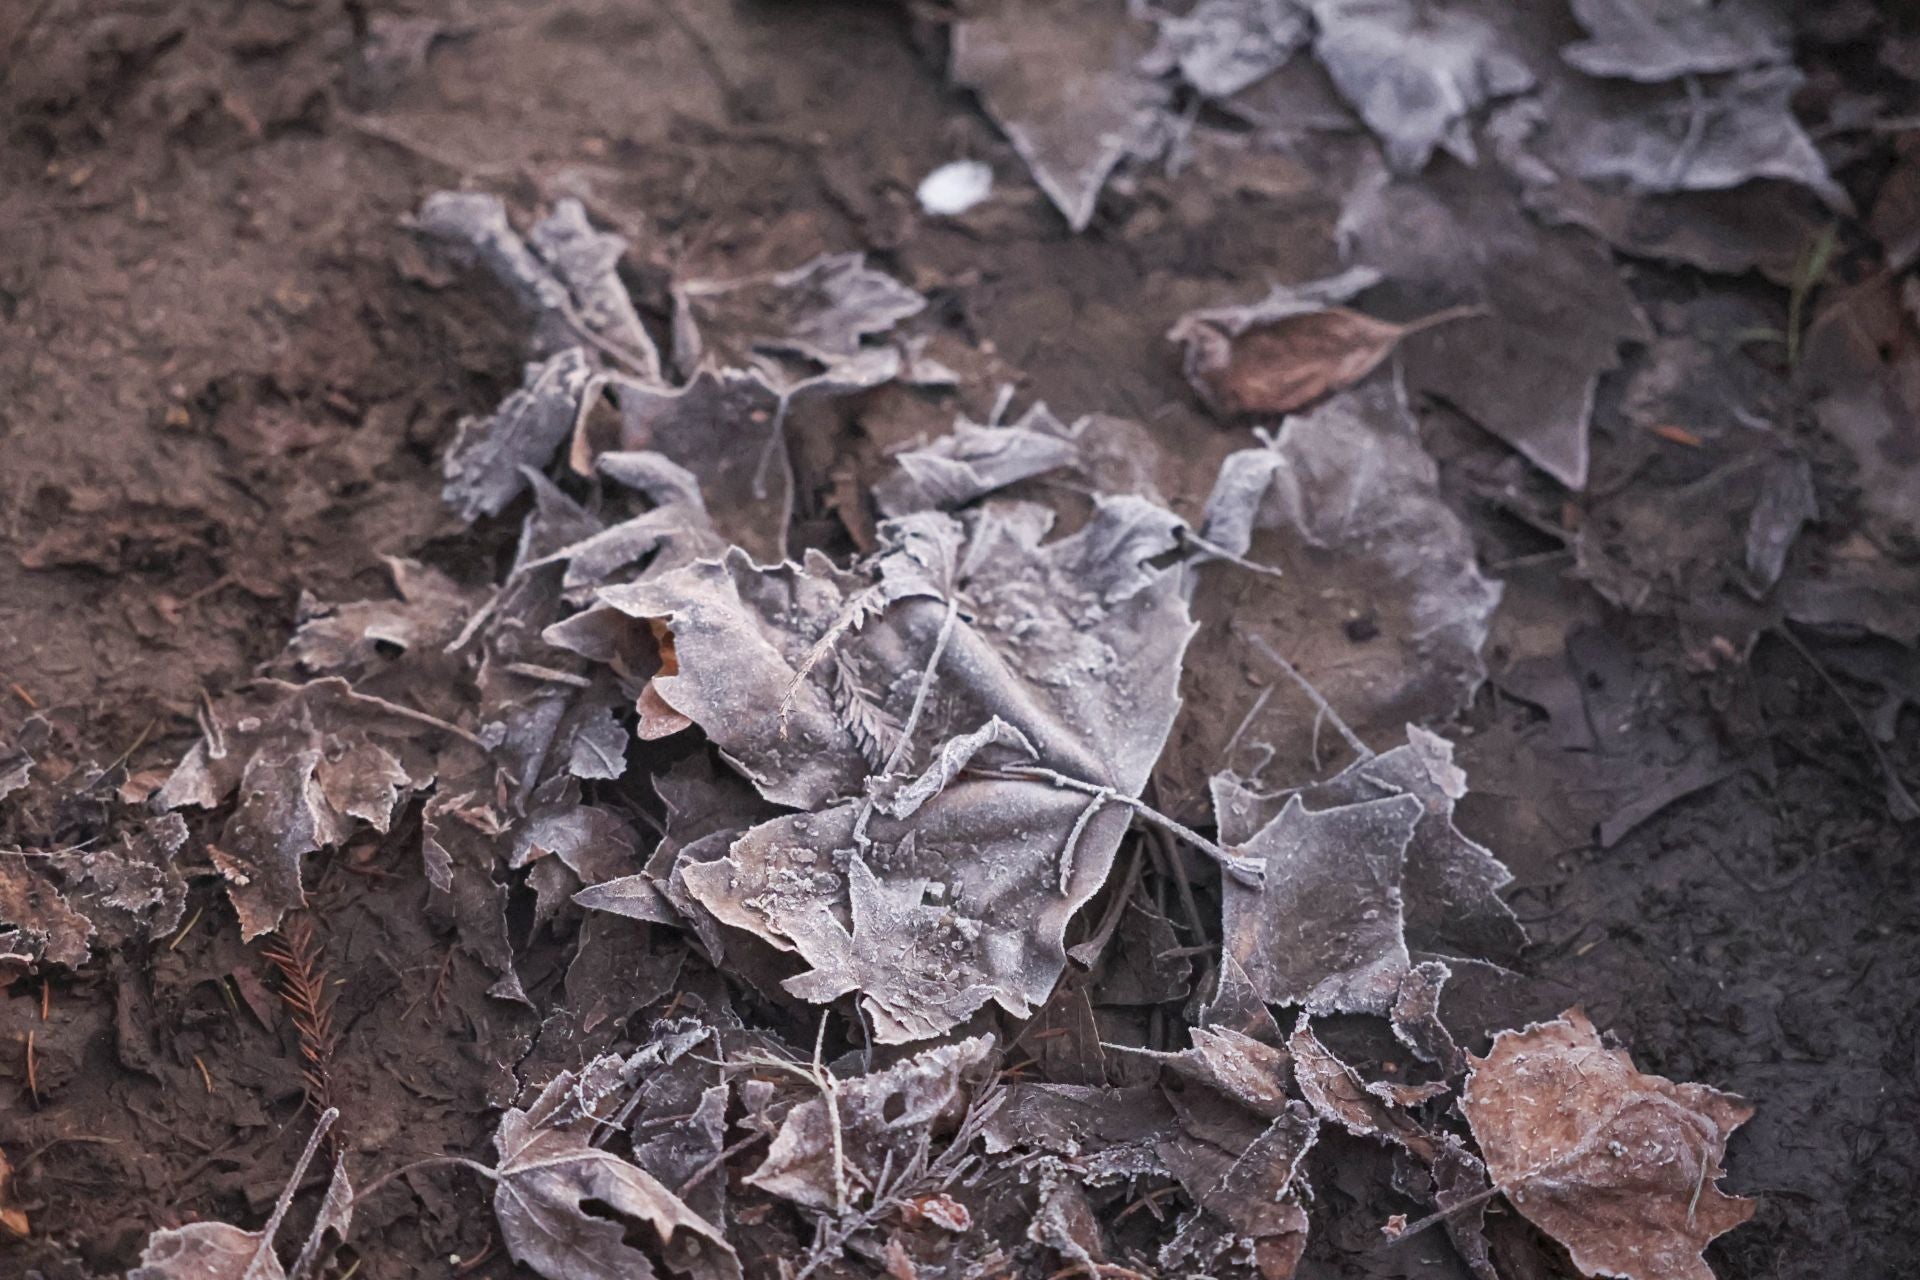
point(225, 373)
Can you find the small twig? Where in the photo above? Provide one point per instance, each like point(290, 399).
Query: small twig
point(472, 1264)
point(430, 1162)
point(1253, 713)
point(1246, 870)
point(265, 1247)
point(1272, 655)
point(830, 1094)
point(706, 1170)
point(181, 936)
point(1435, 1219)
point(1905, 806)
point(1218, 552)
point(912, 722)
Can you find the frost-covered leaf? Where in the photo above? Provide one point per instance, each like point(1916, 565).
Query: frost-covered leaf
point(1619, 1166)
point(1324, 930)
point(1556, 309)
point(675, 530)
point(1379, 603)
point(1415, 72)
point(1654, 40)
point(563, 275)
point(207, 1251)
point(680, 1133)
point(723, 427)
point(1337, 1094)
point(430, 611)
point(334, 1217)
point(1055, 638)
point(1416, 1016)
point(1251, 1200)
point(131, 887)
point(818, 314)
point(1064, 82)
point(16, 755)
point(954, 755)
point(1451, 884)
point(1250, 1072)
point(587, 262)
point(547, 1174)
point(885, 1114)
point(1658, 139)
point(35, 918)
point(1222, 46)
point(484, 463)
point(1075, 644)
point(972, 461)
point(309, 762)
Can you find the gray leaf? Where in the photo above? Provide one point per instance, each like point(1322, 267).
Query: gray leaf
point(1222, 46)
point(1651, 40)
point(1414, 72)
point(1064, 82)
point(483, 465)
point(548, 1170)
point(1325, 928)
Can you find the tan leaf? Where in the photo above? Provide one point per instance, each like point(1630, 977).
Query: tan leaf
point(13, 1219)
point(1290, 363)
point(1617, 1165)
point(547, 1174)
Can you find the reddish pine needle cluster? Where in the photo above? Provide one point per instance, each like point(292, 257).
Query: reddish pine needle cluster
point(295, 953)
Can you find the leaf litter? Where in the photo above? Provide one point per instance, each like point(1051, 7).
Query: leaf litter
point(1000, 771)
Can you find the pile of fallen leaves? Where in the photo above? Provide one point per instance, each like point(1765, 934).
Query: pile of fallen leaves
point(1004, 938)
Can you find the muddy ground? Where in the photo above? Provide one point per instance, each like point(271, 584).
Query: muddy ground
point(226, 371)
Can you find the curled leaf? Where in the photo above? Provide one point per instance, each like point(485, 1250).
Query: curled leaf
point(549, 1170)
point(1619, 1166)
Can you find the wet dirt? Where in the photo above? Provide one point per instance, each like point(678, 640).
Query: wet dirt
point(226, 371)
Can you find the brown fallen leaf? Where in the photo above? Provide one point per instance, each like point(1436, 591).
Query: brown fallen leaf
point(549, 1171)
point(1290, 349)
point(13, 1219)
point(658, 718)
point(1617, 1165)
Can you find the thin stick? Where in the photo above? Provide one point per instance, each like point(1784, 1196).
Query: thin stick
point(1253, 713)
point(1246, 870)
point(1306, 686)
point(706, 1170)
point(947, 623)
point(1219, 552)
point(1907, 807)
point(430, 1162)
point(1435, 1219)
point(830, 1094)
point(320, 1128)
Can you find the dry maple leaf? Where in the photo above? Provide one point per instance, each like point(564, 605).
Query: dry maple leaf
point(1617, 1165)
point(547, 1173)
